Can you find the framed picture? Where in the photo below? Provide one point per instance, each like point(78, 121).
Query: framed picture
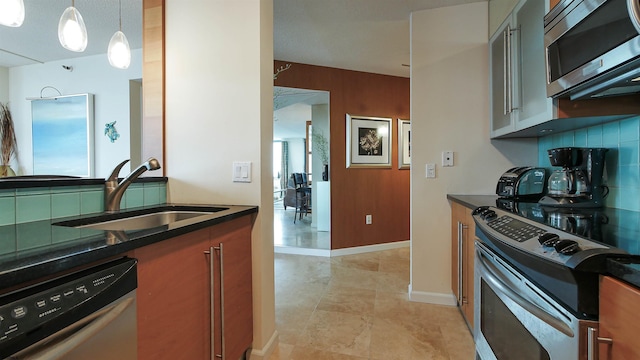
point(404, 144)
point(368, 141)
point(62, 135)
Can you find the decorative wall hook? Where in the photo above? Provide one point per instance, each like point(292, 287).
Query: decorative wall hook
point(281, 69)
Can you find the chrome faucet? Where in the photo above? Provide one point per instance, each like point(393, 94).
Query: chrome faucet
point(114, 190)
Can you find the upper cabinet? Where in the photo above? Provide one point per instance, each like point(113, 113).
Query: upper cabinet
point(517, 73)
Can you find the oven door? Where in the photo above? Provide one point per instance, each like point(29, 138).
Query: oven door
point(588, 38)
point(514, 319)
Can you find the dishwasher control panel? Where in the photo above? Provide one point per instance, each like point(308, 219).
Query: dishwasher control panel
point(60, 302)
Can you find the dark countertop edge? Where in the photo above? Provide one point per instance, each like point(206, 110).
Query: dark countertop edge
point(24, 182)
point(626, 269)
point(473, 201)
point(58, 264)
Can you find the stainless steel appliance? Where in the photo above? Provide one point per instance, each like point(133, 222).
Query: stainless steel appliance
point(536, 289)
point(592, 48)
point(90, 314)
point(522, 182)
point(579, 183)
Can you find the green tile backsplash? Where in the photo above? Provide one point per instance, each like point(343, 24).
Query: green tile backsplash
point(43, 203)
point(622, 174)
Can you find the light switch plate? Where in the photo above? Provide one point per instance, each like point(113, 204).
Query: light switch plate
point(431, 171)
point(242, 171)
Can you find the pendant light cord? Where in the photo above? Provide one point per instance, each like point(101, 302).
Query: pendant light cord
point(120, 13)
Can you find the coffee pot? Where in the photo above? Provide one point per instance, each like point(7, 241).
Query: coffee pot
point(579, 181)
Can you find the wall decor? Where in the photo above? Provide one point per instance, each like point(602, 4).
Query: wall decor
point(111, 132)
point(404, 144)
point(368, 141)
point(62, 135)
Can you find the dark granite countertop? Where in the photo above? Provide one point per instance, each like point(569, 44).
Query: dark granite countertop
point(615, 227)
point(86, 246)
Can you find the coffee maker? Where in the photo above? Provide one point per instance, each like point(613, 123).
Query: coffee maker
point(579, 181)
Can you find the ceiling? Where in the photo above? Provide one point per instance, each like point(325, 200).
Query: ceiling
point(37, 39)
point(362, 35)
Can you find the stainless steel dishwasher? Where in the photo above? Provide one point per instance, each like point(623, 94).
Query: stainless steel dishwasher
point(90, 314)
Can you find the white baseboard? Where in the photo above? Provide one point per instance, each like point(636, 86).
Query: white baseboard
point(301, 251)
point(267, 350)
point(432, 298)
point(370, 248)
point(341, 252)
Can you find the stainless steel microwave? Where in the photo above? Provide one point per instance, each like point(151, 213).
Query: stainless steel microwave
point(593, 48)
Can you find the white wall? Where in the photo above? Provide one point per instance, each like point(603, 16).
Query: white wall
point(449, 111)
point(4, 84)
point(91, 74)
point(320, 122)
point(297, 154)
point(219, 109)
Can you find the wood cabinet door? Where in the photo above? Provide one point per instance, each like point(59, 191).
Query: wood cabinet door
point(233, 288)
point(173, 298)
point(553, 3)
point(619, 320)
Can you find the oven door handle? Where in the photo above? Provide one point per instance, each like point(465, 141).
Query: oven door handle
point(498, 283)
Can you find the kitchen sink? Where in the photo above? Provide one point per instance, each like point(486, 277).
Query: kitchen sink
point(139, 221)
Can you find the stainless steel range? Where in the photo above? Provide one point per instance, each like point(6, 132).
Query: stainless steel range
point(536, 289)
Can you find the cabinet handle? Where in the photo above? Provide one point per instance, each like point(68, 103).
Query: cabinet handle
point(509, 72)
point(519, 64)
point(221, 249)
point(592, 341)
point(504, 72)
point(460, 252)
point(212, 301)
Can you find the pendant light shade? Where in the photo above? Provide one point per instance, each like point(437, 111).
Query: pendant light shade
point(72, 32)
point(119, 52)
point(11, 13)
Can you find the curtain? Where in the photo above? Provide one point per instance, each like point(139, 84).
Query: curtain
point(284, 171)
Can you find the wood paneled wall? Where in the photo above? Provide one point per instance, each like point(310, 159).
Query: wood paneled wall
point(356, 192)
point(153, 81)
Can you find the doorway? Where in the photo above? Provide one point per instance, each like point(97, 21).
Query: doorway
point(301, 146)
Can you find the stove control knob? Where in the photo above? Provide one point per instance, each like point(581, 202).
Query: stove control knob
point(489, 215)
point(548, 239)
point(479, 209)
point(567, 247)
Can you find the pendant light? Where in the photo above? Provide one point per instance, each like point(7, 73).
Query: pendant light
point(11, 13)
point(119, 53)
point(72, 32)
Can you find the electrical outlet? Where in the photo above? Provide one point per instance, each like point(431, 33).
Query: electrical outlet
point(367, 219)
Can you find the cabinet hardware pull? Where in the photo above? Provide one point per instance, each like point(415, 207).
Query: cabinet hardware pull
point(212, 301)
point(592, 349)
point(460, 235)
point(509, 73)
point(504, 72)
point(607, 341)
point(221, 267)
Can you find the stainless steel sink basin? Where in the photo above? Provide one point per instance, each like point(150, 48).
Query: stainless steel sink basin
point(142, 221)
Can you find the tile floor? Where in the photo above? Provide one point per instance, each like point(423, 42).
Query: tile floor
point(356, 307)
point(302, 234)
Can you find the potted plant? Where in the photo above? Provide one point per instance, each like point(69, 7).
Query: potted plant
point(321, 146)
point(8, 142)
